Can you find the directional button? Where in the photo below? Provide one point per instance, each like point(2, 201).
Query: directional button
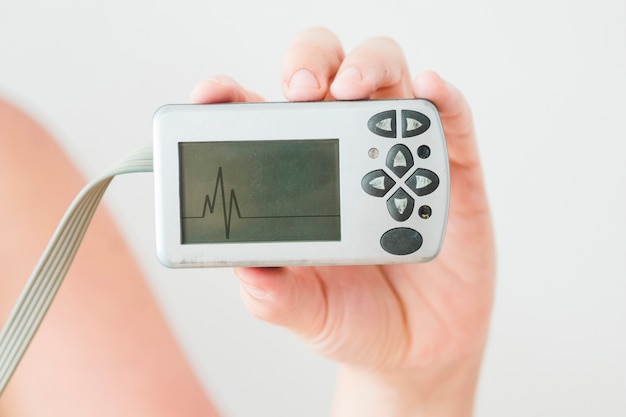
point(400, 205)
point(399, 160)
point(423, 182)
point(377, 183)
point(383, 124)
point(414, 123)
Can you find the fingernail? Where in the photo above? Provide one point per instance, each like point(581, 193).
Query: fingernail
point(349, 85)
point(351, 74)
point(303, 78)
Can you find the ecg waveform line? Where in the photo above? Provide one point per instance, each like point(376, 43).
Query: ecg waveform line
point(210, 203)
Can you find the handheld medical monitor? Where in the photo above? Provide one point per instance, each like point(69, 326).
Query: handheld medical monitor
point(321, 183)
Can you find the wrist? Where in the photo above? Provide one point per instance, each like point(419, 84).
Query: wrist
point(447, 391)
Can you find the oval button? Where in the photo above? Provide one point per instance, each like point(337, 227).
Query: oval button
point(383, 124)
point(414, 123)
point(401, 241)
point(423, 182)
point(377, 183)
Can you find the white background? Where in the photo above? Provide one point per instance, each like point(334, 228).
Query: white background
point(547, 82)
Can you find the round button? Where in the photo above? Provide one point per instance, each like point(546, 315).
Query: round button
point(423, 152)
point(425, 212)
point(401, 241)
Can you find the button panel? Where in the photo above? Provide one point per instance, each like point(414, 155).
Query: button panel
point(400, 161)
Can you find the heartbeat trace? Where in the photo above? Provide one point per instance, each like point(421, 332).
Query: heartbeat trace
point(209, 203)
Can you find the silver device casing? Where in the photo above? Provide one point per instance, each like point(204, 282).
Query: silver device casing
point(364, 218)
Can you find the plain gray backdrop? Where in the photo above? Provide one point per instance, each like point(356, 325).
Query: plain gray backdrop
point(547, 84)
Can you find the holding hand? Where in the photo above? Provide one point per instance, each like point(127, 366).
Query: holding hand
point(409, 338)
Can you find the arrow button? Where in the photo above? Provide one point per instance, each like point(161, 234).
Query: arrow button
point(377, 183)
point(423, 182)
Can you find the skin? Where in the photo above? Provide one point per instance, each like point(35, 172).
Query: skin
point(104, 349)
point(409, 339)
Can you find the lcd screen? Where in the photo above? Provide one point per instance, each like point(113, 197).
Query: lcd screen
point(259, 191)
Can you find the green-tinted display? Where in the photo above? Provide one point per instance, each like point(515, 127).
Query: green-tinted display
point(259, 191)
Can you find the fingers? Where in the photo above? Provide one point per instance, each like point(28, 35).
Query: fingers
point(284, 297)
point(315, 68)
point(343, 312)
point(455, 113)
point(375, 69)
point(221, 89)
point(467, 184)
point(310, 64)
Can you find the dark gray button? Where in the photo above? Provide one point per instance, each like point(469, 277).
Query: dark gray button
point(377, 183)
point(383, 124)
point(400, 205)
point(399, 160)
point(401, 241)
point(423, 182)
point(425, 212)
point(423, 152)
point(414, 123)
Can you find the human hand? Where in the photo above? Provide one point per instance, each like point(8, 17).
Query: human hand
point(409, 338)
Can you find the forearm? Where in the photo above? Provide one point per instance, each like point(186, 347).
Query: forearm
point(445, 392)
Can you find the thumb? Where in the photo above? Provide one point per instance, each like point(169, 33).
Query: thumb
point(290, 297)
